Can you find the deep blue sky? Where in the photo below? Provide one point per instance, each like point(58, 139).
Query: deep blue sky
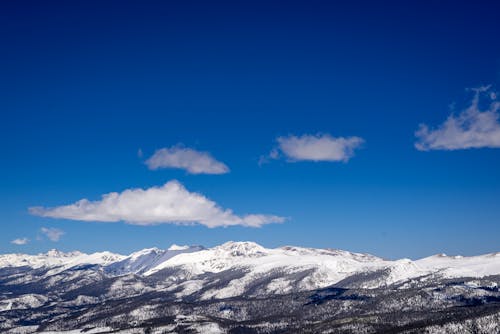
point(84, 85)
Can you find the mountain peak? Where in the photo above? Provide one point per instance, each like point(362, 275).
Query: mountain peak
point(55, 253)
point(243, 248)
point(145, 251)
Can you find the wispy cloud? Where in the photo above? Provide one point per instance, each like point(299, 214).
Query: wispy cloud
point(170, 203)
point(20, 241)
point(54, 234)
point(320, 147)
point(472, 128)
point(194, 162)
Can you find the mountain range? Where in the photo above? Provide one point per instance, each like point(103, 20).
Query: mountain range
point(242, 287)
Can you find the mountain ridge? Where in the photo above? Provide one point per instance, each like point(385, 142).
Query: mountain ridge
point(238, 254)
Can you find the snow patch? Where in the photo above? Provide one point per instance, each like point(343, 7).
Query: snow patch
point(175, 247)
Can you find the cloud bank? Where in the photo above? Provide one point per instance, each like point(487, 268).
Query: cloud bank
point(168, 204)
point(194, 162)
point(321, 147)
point(54, 234)
point(472, 128)
point(20, 241)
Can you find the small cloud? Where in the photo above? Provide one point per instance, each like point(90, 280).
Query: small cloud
point(168, 204)
point(54, 234)
point(472, 128)
point(273, 155)
point(20, 241)
point(194, 162)
point(140, 154)
point(321, 147)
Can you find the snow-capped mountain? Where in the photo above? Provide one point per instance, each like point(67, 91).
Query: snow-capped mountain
point(147, 259)
point(325, 266)
point(232, 271)
point(55, 258)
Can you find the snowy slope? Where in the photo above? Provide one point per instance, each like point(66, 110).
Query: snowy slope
point(462, 266)
point(147, 259)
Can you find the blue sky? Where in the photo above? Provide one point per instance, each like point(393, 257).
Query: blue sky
point(263, 88)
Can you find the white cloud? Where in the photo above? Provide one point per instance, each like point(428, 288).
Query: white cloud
point(321, 147)
point(170, 203)
point(472, 128)
point(20, 241)
point(54, 234)
point(194, 162)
